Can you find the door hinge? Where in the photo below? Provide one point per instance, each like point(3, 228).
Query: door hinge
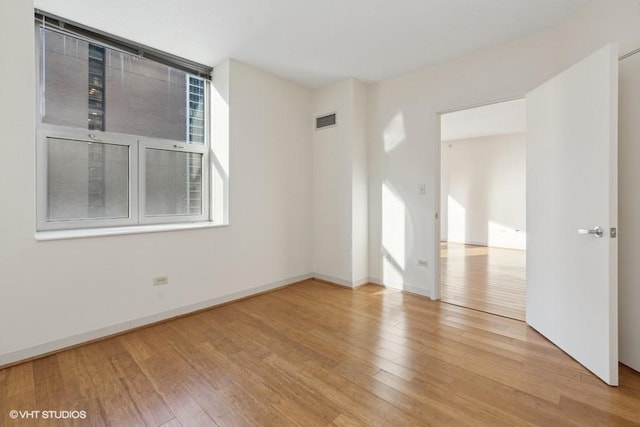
point(613, 233)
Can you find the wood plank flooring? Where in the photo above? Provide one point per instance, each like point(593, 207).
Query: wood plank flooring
point(314, 354)
point(483, 278)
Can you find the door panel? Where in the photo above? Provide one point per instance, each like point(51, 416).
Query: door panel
point(572, 185)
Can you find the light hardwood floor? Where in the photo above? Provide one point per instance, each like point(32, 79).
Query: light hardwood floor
point(483, 278)
point(314, 354)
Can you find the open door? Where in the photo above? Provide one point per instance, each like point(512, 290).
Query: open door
point(572, 260)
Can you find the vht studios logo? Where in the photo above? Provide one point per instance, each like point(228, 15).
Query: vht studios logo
point(44, 415)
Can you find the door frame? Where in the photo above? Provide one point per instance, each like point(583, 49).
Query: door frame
point(437, 289)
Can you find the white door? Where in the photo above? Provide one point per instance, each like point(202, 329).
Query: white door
point(572, 278)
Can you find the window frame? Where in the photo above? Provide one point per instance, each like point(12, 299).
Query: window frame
point(137, 160)
point(46, 131)
point(168, 145)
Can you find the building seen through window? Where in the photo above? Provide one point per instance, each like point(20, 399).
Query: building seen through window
point(144, 133)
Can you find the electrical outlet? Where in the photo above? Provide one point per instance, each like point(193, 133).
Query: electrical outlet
point(423, 263)
point(161, 280)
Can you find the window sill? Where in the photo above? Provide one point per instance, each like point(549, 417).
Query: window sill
point(117, 231)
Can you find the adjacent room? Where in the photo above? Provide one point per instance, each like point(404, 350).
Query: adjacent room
point(483, 208)
point(257, 213)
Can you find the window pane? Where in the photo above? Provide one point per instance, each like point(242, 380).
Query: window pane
point(90, 86)
point(173, 183)
point(196, 111)
point(96, 87)
point(145, 98)
point(87, 180)
point(64, 79)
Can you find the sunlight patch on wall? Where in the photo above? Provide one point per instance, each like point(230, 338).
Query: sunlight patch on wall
point(392, 275)
point(394, 133)
point(219, 117)
point(457, 221)
point(393, 237)
point(393, 225)
point(503, 236)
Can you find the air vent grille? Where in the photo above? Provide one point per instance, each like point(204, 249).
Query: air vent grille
point(326, 121)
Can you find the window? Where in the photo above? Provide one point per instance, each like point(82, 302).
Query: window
point(122, 138)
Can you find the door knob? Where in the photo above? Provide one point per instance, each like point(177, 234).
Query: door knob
point(596, 231)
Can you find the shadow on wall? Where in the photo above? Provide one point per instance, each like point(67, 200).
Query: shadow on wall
point(506, 236)
point(483, 188)
point(397, 230)
point(396, 227)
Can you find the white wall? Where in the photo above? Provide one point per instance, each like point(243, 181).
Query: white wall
point(332, 185)
point(57, 293)
point(359, 187)
point(408, 106)
point(483, 184)
point(340, 245)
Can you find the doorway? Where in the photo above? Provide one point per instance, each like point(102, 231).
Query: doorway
point(483, 208)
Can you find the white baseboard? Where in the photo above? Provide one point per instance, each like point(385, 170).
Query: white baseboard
point(337, 281)
point(475, 243)
point(405, 287)
point(360, 282)
point(468, 242)
point(60, 344)
point(56, 345)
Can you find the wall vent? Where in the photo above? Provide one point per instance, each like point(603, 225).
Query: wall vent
point(326, 121)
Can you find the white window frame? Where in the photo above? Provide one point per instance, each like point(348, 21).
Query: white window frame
point(46, 131)
point(137, 164)
point(159, 144)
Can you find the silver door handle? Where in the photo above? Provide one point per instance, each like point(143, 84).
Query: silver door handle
point(596, 231)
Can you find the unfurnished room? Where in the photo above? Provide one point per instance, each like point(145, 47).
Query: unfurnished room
point(483, 229)
point(338, 213)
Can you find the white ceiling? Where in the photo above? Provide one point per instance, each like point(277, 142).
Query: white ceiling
point(321, 41)
point(495, 119)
